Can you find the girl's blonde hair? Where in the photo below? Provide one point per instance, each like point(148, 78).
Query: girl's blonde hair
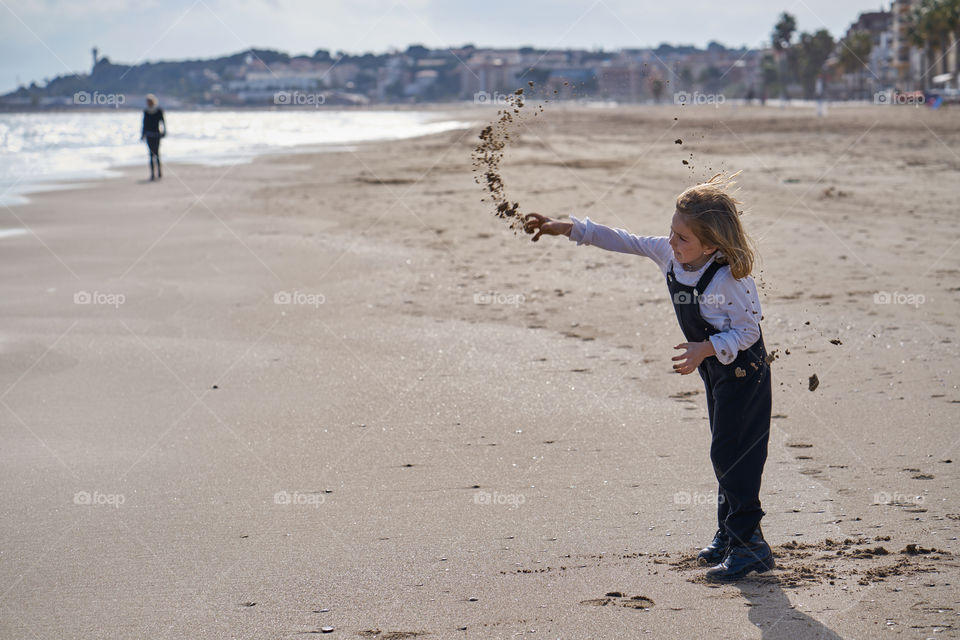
point(711, 211)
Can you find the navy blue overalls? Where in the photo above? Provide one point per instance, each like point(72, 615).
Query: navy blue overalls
point(739, 401)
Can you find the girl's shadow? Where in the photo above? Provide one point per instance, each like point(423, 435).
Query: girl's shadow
point(772, 613)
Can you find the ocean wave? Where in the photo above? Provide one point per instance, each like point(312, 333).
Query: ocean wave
point(39, 150)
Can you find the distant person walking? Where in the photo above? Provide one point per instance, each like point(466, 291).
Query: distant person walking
point(153, 129)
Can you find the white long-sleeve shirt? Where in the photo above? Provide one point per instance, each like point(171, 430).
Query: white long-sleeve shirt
point(731, 306)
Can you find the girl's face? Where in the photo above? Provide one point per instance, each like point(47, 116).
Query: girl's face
point(687, 248)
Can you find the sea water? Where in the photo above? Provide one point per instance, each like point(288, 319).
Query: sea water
point(41, 151)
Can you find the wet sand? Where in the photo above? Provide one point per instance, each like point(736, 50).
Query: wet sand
point(334, 390)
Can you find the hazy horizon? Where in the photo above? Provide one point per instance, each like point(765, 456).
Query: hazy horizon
point(41, 40)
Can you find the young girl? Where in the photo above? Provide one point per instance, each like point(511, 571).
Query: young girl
point(707, 262)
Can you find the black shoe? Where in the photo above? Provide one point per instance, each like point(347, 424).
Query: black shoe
point(742, 559)
point(716, 551)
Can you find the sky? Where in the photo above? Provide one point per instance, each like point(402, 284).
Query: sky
point(40, 39)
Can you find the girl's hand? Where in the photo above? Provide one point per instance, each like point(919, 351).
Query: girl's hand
point(534, 222)
point(696, 352)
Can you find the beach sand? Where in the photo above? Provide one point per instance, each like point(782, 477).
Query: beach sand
point(333, 390)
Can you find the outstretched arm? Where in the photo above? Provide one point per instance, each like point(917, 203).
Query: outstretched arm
point(586, 231)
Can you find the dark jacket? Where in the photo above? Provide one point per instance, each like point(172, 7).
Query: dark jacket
point(151, 124)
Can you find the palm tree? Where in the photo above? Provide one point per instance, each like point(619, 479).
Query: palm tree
point(951, 12)
point(930, 27)
point(783, 31)
point(920, 33)
point(940, 19)
point(656, 88)
point(854, 53)
point(768, 69)
point(780, 39)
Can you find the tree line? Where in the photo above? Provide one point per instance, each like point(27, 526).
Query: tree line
point(931, 25)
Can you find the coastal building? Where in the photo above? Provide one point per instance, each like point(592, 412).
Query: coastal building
point(878, 70)
point(622, 79)
point(490, 72)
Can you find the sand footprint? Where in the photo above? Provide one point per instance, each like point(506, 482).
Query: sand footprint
point(390, 635)
point(616, 598)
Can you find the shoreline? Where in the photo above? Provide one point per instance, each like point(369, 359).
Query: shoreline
point(18, 193)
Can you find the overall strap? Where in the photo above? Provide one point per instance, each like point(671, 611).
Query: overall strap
point(707, 276)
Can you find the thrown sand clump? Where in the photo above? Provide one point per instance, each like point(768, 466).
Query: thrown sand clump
point(489, 153)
